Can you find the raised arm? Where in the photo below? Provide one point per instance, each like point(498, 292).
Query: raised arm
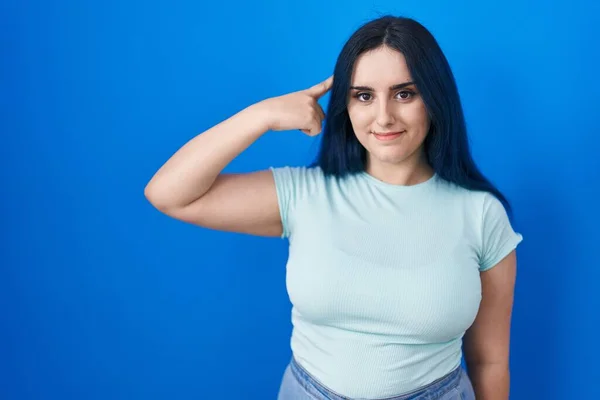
point(191, 187)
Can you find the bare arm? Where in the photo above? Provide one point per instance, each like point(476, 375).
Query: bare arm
point(190, 186)
point(487, 341)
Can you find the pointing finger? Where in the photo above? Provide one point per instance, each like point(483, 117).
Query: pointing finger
point(321, 88)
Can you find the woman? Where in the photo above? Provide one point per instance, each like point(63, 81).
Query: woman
point(401, 253)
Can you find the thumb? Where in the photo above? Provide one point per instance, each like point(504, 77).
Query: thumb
point(321, 88)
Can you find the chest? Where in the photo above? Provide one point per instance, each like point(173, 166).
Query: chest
point(399, 275)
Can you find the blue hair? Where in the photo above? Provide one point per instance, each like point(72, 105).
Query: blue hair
point(446, 144)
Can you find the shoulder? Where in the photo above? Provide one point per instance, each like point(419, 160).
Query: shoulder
point(297, 172)
point(297, 178)
point(490, 222)
point(296, 187)
point(478, 199)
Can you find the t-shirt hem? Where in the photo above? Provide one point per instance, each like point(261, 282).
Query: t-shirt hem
point(505, 249)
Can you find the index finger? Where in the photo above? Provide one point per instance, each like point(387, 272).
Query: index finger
point(321, 88)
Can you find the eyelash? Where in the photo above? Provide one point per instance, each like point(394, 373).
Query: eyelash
point(410, 92)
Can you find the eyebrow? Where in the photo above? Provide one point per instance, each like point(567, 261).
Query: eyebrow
point(395, 87)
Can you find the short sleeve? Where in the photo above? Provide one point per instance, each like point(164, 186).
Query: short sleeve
point(291, 184)
point(498, 238)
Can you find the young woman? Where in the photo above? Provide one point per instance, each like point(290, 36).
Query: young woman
point(402, 256)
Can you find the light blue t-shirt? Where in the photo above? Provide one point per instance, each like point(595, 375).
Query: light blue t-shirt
point(384, 279)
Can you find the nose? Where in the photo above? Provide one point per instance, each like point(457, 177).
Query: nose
point(385, 116)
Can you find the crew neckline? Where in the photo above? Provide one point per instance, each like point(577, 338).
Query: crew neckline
point(392, 186)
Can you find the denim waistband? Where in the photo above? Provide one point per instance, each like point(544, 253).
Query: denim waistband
point(432, 390)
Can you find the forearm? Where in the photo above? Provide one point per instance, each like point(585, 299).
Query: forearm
point(193, 169)
point(490, 381)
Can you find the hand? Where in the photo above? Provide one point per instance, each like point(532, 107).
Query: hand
point(297, 110)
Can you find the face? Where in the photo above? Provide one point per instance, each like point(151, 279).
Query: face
point(387, 113)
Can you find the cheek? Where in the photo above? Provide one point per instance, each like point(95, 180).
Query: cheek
point(416, 116)
point(359, 117)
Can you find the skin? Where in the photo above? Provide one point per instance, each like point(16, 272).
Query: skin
point(191, 186)
point(383, 99)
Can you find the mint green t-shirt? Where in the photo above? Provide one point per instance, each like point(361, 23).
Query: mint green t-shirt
point(384, 279)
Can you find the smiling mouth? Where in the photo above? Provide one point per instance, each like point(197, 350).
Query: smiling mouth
point(388, 136)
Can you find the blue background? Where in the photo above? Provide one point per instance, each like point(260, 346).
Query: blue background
point(103, 297)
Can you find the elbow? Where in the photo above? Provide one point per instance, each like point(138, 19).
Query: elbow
point(156, 197)
point(163, 200)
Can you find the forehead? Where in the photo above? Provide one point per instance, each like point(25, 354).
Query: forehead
point(382, 66)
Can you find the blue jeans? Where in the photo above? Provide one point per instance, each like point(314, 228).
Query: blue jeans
point(298, 384)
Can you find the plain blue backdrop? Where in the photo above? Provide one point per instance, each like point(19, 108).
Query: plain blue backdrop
point(103, 297)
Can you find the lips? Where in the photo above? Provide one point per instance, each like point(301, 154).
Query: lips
point(388, 135)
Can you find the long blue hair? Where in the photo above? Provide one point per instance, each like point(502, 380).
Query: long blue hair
point(446, 145)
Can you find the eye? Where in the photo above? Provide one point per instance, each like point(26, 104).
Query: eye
point(405, 94)
point(363, 96)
